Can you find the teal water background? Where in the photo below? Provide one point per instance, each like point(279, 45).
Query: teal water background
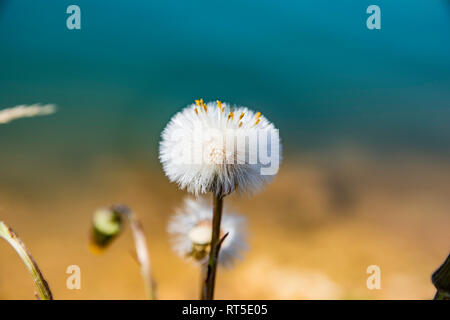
point(312, 67)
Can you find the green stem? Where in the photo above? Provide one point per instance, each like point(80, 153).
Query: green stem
point(215, 247)
point(441, 280)
point(441, 295)
point(203, 276)
point(11, 237)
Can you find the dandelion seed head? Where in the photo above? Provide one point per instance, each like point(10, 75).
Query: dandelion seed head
point(213, 147)
point(201, 234)
point(191, 230)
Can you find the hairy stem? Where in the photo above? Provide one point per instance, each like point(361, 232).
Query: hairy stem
point(11, 237)
point(140, 243)
point(203, 276)
point(215, 247)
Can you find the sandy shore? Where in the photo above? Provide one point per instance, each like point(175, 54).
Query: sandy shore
point(313, 232)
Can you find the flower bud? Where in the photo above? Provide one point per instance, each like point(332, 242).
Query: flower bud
point(106, 226)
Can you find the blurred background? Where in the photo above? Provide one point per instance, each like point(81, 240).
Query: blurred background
point(363, 116)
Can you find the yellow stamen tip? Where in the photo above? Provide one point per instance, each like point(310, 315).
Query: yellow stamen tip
point(241, 116)
point(258, 114)
point(219, 104)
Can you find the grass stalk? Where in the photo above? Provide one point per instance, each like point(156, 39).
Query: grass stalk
point(11, 237)
point(140, 243)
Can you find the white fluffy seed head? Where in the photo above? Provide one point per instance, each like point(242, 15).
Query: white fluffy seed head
point(201, 234)
point(213, 147)
point(191, 229)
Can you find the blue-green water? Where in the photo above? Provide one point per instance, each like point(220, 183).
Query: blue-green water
point(312, 67)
